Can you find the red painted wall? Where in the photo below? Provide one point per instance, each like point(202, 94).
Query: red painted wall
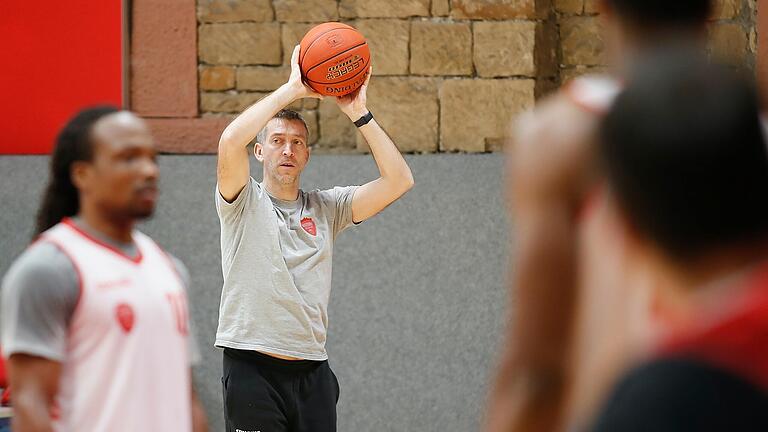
point(56, 57)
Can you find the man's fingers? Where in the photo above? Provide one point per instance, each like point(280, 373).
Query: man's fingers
point(364, 88)
point(295, 55)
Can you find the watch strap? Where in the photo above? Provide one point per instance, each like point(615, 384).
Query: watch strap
point(362, 121)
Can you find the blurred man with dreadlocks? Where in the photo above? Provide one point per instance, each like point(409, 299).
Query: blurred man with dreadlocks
point(94, 313)
point(563, 341)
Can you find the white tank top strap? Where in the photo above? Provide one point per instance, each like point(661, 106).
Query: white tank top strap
point(594, 93)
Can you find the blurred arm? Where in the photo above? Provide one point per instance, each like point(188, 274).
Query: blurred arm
point(199, 419)
point(35, 383)
point(548, 167)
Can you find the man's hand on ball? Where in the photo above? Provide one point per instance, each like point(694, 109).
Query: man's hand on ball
point(353, 104)
point(295, 85)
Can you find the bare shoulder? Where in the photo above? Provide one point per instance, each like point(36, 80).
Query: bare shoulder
point(552, 143)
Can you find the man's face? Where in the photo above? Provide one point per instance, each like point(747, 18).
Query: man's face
point(285, 151)
point(121, 180)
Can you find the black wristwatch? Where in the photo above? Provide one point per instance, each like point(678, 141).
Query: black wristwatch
point(362, 121)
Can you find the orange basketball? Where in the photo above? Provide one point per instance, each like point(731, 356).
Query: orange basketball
point(334, 59)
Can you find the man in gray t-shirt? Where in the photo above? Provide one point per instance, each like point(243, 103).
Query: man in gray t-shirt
point(276, 246)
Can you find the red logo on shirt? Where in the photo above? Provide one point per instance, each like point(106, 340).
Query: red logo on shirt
point(125, 317)
point(309, 225)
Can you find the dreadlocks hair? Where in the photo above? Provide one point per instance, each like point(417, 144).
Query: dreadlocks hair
point(61, 199)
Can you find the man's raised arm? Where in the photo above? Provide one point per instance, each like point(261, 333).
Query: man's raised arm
point(232, 170)
point(395, 176)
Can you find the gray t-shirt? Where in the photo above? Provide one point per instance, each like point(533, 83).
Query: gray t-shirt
point(39, 295)
point(276, 259)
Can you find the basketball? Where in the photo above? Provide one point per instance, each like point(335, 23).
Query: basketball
point(334, 59)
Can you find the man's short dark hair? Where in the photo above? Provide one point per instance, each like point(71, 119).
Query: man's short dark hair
point(685, 154)
point(284, 114)
point(663, 13)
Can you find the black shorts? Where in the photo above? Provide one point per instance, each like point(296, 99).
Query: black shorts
point(267, 394)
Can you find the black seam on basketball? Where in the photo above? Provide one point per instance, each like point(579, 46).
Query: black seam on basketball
point(318, 37)
point(346, 50)
point(363, 69)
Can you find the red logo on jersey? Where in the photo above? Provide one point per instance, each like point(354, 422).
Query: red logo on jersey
point(125, 317)
point(179, 307)
point(309, 226)
point(55, 410)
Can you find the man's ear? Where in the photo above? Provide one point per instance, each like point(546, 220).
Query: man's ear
point(258, 151)
point(81, 173)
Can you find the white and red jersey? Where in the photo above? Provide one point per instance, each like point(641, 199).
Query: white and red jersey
point(127, 363)
point(594, 93)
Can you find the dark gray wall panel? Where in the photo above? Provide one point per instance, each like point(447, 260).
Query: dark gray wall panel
point(417, 301)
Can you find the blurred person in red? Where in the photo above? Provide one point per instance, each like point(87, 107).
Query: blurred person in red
point(686, 163)
point(570, 332)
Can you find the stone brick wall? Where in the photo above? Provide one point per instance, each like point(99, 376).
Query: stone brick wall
point(732, 35)
point(448, 74)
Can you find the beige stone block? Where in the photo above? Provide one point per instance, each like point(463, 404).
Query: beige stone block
point(475, 113)
point(591, 6)
point(441, 48)
point(726, 9)
point(504, 48)
point(388, 42)
point(296, 105)
point(229, 102)
point(292, 33)
point(729, 42)
point(310, 103)
point(337, 132)
point(571, 7)
point(240, 43)
point(306, 10)
point(499, 9)
point(262, 78)
point(234, 11)
point(310, 116)
point(497, 144)
point(441, 8)
point(217, 77)
point(582, 41)
point(383, 9)
point(568, 74)
point(407, 108)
